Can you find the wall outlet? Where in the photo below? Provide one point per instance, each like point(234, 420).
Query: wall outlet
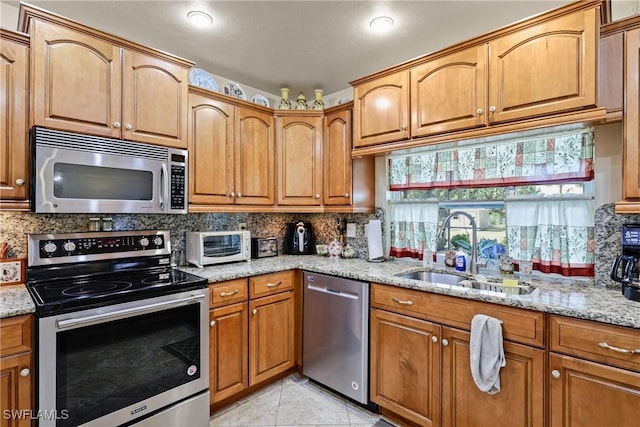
point(351, 229)
point(242, 226)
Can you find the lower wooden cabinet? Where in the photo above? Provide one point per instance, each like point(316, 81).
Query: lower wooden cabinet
point(16, 365)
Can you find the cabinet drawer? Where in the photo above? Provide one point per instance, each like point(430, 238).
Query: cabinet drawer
point(518, 325)
point(268, 284)
point(15, 335)
point(228, 292)
point(612, 345)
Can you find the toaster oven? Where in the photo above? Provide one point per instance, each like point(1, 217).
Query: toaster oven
point(217, 247)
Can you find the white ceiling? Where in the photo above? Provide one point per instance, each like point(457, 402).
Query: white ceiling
point(299, 44)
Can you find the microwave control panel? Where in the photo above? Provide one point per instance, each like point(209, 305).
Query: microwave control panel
point(178, 190)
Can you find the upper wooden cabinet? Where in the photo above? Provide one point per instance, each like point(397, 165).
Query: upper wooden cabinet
point(14, 93)
point(535, 73)
point(337, 158)
point(299, 157)
point(232, 152)
point(91, 82)
point(381, 110)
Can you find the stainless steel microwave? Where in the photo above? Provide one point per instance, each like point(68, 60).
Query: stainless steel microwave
point(216, 247)
point(76, 173)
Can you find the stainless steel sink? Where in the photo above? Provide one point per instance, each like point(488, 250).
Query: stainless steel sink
point(431, 276)
point(500, 288)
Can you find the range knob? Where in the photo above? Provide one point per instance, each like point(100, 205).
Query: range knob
point(157, 240)
point(50, 247)
point(144, 242)
point(69, 246)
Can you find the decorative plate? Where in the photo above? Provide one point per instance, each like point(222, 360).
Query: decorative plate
point(233, 89)
point(201, 78)
point(260, 99)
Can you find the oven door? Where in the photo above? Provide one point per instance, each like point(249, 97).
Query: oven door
point(114, 364)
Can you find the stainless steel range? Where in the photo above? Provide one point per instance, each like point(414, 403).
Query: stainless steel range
point(122, 337)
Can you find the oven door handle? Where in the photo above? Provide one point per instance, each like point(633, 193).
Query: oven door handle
point(127, 312)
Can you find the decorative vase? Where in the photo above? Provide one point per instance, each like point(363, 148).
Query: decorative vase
point(335, 249)
point(318, 104)
point(285, 103)
point(301, 102)
point(348, 252)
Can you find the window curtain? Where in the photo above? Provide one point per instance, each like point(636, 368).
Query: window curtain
point(413, 228)
point(557, 235)
point(539, 160)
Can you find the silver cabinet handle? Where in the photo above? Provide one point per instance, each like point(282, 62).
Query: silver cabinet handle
point(493, 108)
point(128, 126)
point(445, 342)
point(227, 294)
point(213, 323)
point(346, 195)
point(273, 285)
point(255, 311)
point(618, 349)
point(403, 127)
point(239, 194)
point(555, 374)
point(403, 302)
point(317, 195)
point(116, 125)
point(20, 182)
point(25, 372)
point(434, 338)
point(232, 194)
point(479, 111)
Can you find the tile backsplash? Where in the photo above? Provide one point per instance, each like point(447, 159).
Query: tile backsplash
point(15, 226)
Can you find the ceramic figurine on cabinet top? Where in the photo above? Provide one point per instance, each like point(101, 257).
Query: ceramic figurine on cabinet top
point(318, 104)
point(301, 102)
point(285, 103)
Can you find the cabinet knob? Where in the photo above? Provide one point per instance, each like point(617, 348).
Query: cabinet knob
point(25, 372)
point(317, 196)
point(239, 194)
point(403, 128)
point(116, 125)
point(20, 182)
point(128, 126)
point(492, 108)
point(233, 194)
point(255, 311)
point(212, 323)
point(445, 342)
point(479, 111)
point(434, 338)
point(346, 195)
point(555, 373)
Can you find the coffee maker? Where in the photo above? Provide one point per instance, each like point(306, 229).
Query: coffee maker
point(626, 267)
point(299, 239)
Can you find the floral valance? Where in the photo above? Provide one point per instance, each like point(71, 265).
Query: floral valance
point(537, 160)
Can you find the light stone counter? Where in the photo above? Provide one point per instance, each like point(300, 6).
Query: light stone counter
point(584, 301)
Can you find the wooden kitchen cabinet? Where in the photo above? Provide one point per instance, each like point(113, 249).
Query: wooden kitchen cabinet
point(87, 81)
point(14, 108)
point(232, 153)
point(299, 157)
point(16, 366)
point(228, 339)
point(449, 93)
point(381, 110)
point(336, 147)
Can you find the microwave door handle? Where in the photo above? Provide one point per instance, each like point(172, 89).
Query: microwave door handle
point(163, 184)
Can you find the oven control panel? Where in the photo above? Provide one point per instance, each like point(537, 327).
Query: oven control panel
point(98, 245)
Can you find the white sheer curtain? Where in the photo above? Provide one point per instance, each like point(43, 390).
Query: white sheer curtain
point(555, 232)
point(413, 228)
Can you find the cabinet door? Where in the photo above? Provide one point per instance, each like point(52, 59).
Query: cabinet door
point(271, 336)
point(228, 351)
point(14, 93)
point(254, 158)
point(381, 110)
point(299, 153)
point(154, 100)
point(15, 390)
point(449, 93)
point(337, 158)
point(520, 402)
point(211, 157)
point(544, 69)
point(631, 119)
point(591, 394)
point(76, 81)
point(405, 366)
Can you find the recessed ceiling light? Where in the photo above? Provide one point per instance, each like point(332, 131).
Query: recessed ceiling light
point(381, 24)
point(199, 19)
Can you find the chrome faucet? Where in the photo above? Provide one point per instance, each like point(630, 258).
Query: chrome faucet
point(474, 237)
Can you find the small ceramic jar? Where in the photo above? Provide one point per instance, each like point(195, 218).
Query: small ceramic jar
point(335, 249)
point(348, 252)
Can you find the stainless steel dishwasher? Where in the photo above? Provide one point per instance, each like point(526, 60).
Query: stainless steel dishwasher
point(335, 340)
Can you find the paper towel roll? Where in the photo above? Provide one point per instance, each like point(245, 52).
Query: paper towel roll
point(373, 231)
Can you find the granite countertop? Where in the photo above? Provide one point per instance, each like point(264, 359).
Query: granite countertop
point(568, 298)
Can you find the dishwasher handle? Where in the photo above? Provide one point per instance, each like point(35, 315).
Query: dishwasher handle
point(327, 290)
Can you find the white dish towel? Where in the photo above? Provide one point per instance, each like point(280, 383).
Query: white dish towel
point(487, 352)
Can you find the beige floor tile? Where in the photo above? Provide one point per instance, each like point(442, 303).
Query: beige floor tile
point(260, 409)
point(358, 415)
point(308, 404)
